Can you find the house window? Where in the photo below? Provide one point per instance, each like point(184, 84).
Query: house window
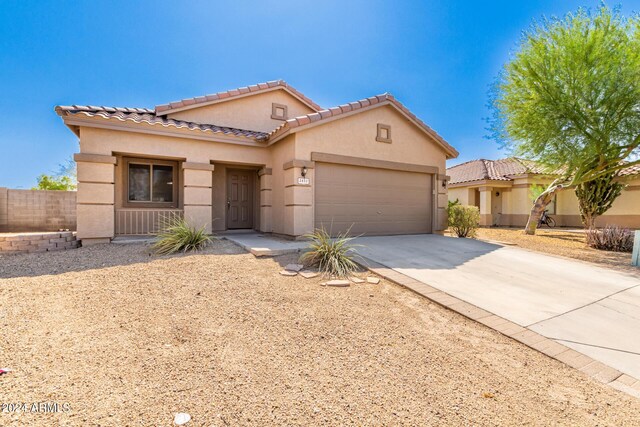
point(151, 183)
point(384, 133)
point(279, 111)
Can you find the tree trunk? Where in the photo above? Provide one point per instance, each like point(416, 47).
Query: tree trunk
point(589, 221)
point(539, 205)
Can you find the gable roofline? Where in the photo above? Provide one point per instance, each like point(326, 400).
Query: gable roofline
point(344, 110)
point(201, 101)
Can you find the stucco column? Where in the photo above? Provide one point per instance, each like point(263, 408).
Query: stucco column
point(298, 197)
point(507, 207)
point(95, 198)
point(440, 223)
point(485, 206)
point(197, 196)
point(266, 194)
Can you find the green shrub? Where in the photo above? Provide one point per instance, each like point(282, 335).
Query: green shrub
point(334, 257)
point(176, 235)
point(610, 238)
point(451, 204)
point(464, 220)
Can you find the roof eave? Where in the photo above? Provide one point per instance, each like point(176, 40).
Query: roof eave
point(288, 127)
point(74, 123)
point(202, 101)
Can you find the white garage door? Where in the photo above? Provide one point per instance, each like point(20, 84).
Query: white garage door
point(372, 201)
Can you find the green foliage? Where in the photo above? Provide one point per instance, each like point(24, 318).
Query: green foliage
point(610, 238)
point(334, 257)
point(176, 235)
point(48, 182)
point(535, 191)
point(570, 96)
point(595, 197)
point(464, 220)
point(64, 180)
point(450, 205)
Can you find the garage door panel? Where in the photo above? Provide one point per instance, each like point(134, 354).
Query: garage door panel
point(372, 201)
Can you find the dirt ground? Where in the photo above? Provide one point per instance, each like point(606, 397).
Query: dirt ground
point(561, 242)
point(118, 337)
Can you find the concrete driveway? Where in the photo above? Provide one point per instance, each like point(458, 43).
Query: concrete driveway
point(591, 309)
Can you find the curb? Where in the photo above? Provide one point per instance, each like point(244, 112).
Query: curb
point(593, 368)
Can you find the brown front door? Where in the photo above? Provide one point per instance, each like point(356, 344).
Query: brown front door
point(240, 198)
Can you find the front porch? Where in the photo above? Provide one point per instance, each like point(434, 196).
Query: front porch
point(133, 195)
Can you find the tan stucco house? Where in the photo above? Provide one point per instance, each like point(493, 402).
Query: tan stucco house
point(504, 191)
point(263, 157)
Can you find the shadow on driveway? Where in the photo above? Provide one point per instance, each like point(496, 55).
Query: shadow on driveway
point(423, 250)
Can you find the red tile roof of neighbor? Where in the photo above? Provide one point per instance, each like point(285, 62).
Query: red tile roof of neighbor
point(157, 116)
point(631, 170)
point(504, 169)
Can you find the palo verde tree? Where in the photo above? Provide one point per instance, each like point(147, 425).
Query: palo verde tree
point(570, 99)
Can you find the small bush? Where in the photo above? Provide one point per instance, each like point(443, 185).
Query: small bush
point(464, 220)
point(176, 235)
point(610, 238)
point(450, 205)
point(334, 257)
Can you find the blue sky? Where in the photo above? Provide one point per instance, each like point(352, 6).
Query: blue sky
point(437, 57)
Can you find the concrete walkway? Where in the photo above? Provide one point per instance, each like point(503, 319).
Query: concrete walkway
point(590, 309)
point(264, 244)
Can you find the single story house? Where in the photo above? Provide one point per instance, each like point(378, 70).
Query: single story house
point(505, 189)
point(263, 157)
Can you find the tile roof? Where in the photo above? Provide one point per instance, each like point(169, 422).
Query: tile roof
point(631, 170)
point(166, 108)
point(157, 116)
point(145, 115)
point(504, 169)
point(354, 106)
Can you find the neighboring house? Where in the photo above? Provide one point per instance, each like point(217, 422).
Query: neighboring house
point(505, 189)
point(262, 157)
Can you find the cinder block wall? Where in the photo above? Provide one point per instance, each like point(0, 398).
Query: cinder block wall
point(37, 210)
point(4, 215)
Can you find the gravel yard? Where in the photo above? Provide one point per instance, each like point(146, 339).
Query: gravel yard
point(126, 338)
point(556, 241)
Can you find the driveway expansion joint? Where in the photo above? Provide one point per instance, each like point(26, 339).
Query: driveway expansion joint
point(547, 346)
point(584, 305)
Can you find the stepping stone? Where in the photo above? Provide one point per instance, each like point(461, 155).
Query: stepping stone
point(294, 267)
point(373, 280)
point(309, 274)
point(288, 273)
point(337, 283)
point(357, 280)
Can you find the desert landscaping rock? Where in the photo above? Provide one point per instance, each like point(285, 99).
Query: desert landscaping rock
point(181, 418)
point(288, 273)
point(294, 267)
point(104, 329)
point(337, 283)
point(357, 280)
point(373, 280)
point(309, 274)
